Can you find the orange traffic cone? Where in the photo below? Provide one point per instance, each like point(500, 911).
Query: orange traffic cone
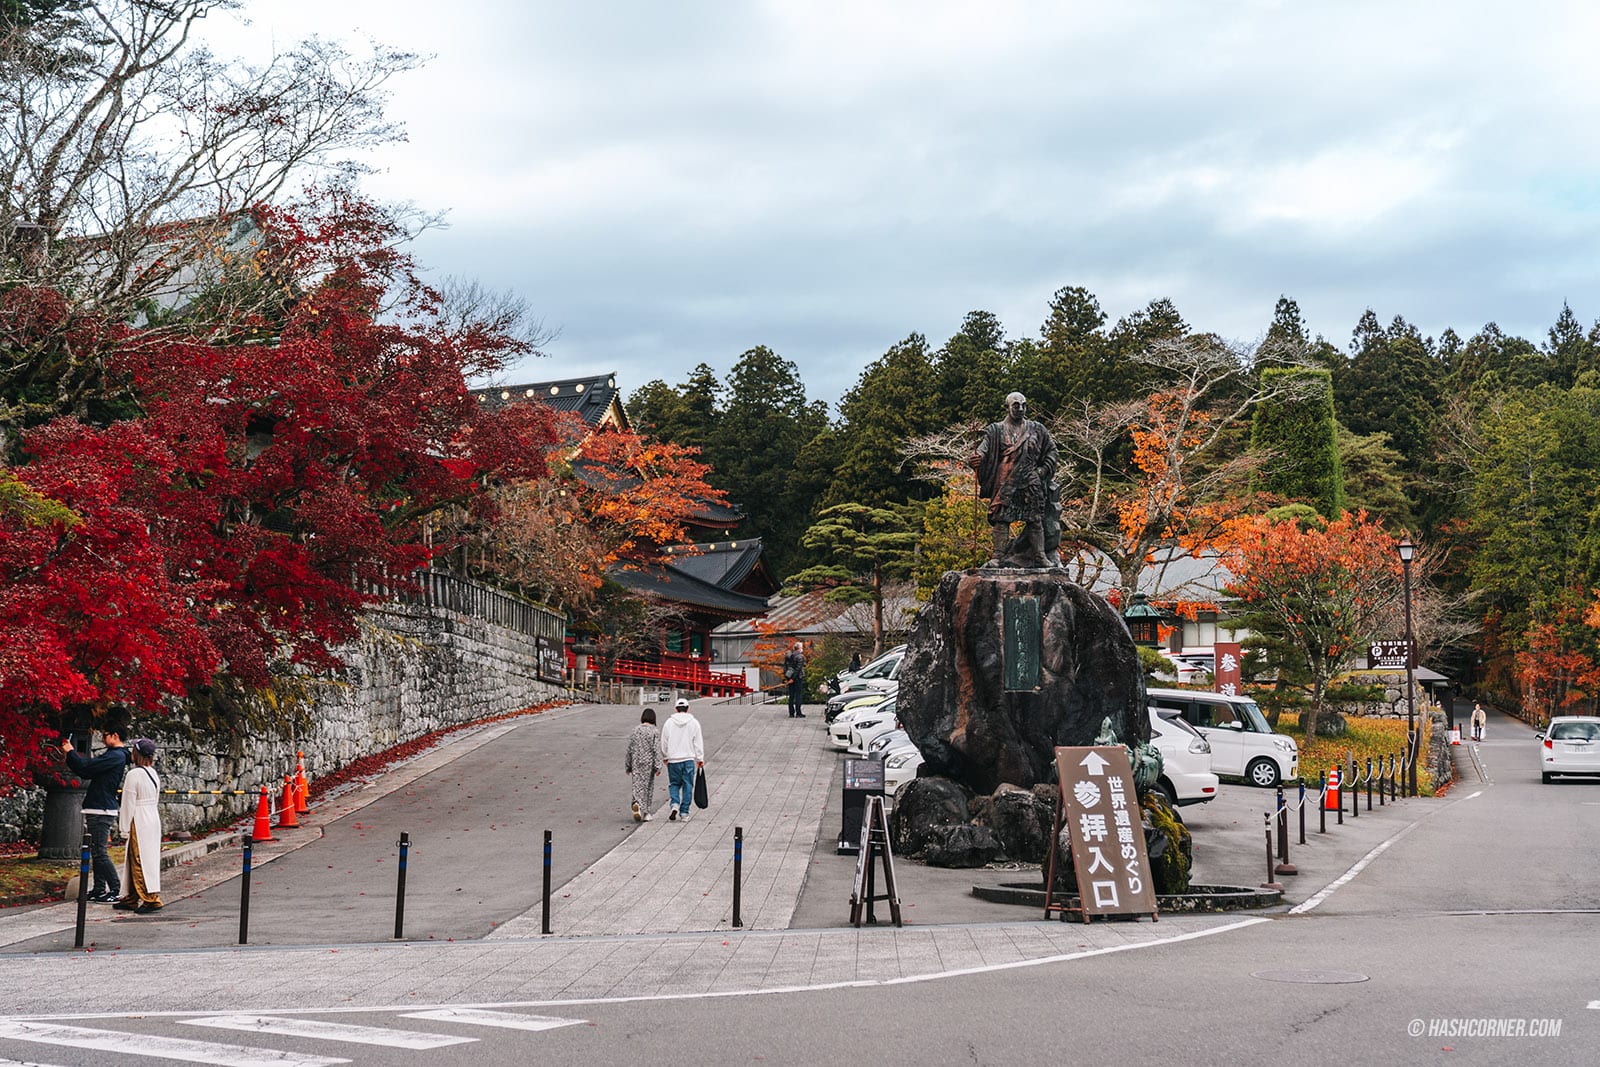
point(1455, 735)
point(1330, 799)
point(302, 788)
point(263, 827)
point(286, 819)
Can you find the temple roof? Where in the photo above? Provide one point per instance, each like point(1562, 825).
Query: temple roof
point(725, 564)
point(670, 583)
point(593, 398)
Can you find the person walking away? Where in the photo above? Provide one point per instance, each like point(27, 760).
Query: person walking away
point(1480, 719)
point(644, 763)
point(104, 775)
point(140, 823)
point(794, 674)
point(684, 749)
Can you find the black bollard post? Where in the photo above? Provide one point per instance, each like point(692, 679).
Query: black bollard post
point(244, 895)
point(1302, 811)
point(1322, 804)
point(738, 862)
point(400, 890)
point(545, 928)
point(1270, 883)
point(1369, 782)
point(83, 890)
point(1344, 787)
point(1283, 827)
point(1394, 779)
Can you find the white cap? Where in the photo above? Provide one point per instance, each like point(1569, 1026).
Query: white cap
point(683, 702)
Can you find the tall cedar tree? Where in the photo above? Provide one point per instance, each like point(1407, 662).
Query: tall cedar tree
point(1298, 435)
point(892, 402)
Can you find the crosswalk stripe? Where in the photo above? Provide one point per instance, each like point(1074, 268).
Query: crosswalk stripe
point(21, 1063)
point(364, 1035)
point(479, 1017)
point(172, 1048)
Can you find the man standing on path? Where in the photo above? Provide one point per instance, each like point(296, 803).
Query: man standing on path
point(104, 775)
point(684, 748)
point(794, 674)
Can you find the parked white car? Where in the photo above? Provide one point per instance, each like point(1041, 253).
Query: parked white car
point(867, 728)
point(1242, 741)
point(1186, 775)
point(881, 667)
point(1569, 745)
point(899, 767)
point(850, 697)
point(839, 728)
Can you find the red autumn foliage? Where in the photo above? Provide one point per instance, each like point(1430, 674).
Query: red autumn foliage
point(230, 524)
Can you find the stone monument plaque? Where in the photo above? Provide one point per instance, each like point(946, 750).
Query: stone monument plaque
point(1022, 630)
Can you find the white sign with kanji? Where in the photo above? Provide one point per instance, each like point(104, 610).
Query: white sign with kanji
point(1101, 814)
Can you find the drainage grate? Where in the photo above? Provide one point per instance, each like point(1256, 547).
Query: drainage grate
point(1310, 977)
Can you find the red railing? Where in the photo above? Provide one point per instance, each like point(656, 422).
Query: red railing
point(688, 675)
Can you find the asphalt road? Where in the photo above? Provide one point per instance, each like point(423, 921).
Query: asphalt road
point(1465, 933)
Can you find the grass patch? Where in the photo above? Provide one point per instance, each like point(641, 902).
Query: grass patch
point(1366, 738)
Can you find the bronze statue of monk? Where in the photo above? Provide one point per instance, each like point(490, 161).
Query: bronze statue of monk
point(1016, 466)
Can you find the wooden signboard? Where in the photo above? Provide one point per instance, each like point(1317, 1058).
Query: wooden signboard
point(1101, 813)
point(552, 660)
point(1226, 670)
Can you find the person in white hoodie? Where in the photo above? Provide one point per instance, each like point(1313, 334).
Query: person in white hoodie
point(684, 749)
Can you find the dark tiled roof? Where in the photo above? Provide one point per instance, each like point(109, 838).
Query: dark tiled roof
point(722, 563)
point(669, 583)
point(588, 397)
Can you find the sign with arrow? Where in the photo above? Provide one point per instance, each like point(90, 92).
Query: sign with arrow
point(1102, 817)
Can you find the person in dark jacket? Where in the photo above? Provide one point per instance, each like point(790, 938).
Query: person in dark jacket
point(104, 775)
point(794, 678)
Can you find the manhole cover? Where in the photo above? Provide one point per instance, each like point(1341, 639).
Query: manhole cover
point(1310, 977)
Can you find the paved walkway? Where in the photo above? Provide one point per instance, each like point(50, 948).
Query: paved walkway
point(670, 876)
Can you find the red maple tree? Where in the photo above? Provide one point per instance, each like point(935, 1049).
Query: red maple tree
point(232, 523)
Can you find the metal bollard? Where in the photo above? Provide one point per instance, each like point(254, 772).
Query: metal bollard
point(1394, 781)
point(1322, 804)
point(244, 896)
point(1302, 811)
point(738, 863)
point(1283, 827)
point(83, 890)
point(400, 890)
point(1269, 883)
point(545, 928)
point(1355, 791)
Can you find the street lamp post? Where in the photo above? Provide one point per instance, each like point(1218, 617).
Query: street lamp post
point(1407, 551)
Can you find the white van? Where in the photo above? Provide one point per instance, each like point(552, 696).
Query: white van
point(1242, 742)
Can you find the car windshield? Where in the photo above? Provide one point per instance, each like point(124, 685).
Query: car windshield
point(1250, 713)
point(1575, 731)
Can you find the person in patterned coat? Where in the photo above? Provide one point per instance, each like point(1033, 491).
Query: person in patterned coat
point(644, 763)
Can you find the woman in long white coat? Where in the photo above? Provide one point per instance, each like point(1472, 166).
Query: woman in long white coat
point(140, 822)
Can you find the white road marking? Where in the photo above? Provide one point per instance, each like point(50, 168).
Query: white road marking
point(361, 1035)
point(1360, 865)
point(172, 1048)
point(22, 1063)
point(510, 1020)
point(1594, 1005)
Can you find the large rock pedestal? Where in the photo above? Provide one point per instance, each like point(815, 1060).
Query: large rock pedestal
point(953, 701)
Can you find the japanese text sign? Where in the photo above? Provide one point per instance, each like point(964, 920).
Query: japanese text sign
point(1228, 672)
point(1102, 817)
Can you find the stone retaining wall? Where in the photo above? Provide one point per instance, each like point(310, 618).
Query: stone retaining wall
point(415, 669)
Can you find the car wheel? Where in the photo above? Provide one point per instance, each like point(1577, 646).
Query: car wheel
point(1545, 778)
point(1262, 772)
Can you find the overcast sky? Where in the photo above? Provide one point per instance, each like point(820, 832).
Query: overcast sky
point(671, 183)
